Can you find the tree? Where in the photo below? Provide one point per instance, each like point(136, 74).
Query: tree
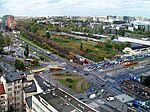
point(112, 37)
point(121, 32)
point(48, 35)
point(42, 58)
point(128, 44)
point(81, 46)
point(146, 81)
point(26, 52)
point(35, 62)
point(19, 65)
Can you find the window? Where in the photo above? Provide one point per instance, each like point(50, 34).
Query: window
point(9, 94)
point(17, 104)
point(9, 89)
point(15, 82)
point(19, 86)
point(9, 84)
point(2, 103)
point(18, 98)
point(2, 97)
point(10, 102)
point(17, 92)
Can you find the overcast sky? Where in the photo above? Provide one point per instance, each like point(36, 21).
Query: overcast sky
point(75, 7)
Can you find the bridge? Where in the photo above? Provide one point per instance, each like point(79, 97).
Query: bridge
point(134, 40)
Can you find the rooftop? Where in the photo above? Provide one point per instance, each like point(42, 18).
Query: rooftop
point(29, 101)
point(140, 86)
point(11, 77)
point(63, 101)
point(60, 99)
point(58, 103)
point(30, 88)
point(45, 85)
point(2, 91)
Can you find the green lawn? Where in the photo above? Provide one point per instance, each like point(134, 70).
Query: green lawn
point(35, 45)
point(75, 79)
point(71, 85)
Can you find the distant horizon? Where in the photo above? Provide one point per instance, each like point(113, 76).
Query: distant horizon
point(38, 8)
point(73, 15)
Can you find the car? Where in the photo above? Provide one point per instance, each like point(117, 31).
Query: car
point(81, 98)
point(102, 90)
point(86, 74)
point(67, 71)
point(102, 85)
point(74, 71)
point(34, 52)
point(111, 98)
point(48, 52)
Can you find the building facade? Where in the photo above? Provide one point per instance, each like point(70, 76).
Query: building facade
point(13, 92)
point(8, 21)
point(3, 102)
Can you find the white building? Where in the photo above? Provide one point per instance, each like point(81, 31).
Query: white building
point(58, 101)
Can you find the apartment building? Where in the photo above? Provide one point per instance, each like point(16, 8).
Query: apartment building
point(8, 20)
point(31, 93)
point(13, 91)
point(3, 106)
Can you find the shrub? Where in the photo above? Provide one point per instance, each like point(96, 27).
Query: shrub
point(69, 80)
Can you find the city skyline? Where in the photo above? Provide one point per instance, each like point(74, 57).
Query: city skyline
point(75, 8)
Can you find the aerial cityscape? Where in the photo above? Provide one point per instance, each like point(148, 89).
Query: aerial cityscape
point(75, 56)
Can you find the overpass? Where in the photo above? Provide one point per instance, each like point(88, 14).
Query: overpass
point(134, 40)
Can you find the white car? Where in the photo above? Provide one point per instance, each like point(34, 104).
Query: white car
point(48, 52)
point(110, 98)
point(74, 71)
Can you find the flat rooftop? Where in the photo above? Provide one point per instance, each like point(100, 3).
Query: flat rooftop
point(140, 86)
point(10, 77)
point(58, 103)
point(29, 101)
point(60, 99)
point(63, 101)
point(30, 88)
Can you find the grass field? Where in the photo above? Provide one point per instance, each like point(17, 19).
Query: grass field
point(74, 82)
point(91, 50)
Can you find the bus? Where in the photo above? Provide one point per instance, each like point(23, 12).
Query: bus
point(38, 70)
point(130, 64)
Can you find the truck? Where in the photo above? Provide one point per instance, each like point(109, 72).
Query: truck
point(92, 96)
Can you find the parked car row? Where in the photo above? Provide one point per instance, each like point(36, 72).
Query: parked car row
point(116, 61)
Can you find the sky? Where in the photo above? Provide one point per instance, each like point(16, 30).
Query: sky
point(75, 7)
